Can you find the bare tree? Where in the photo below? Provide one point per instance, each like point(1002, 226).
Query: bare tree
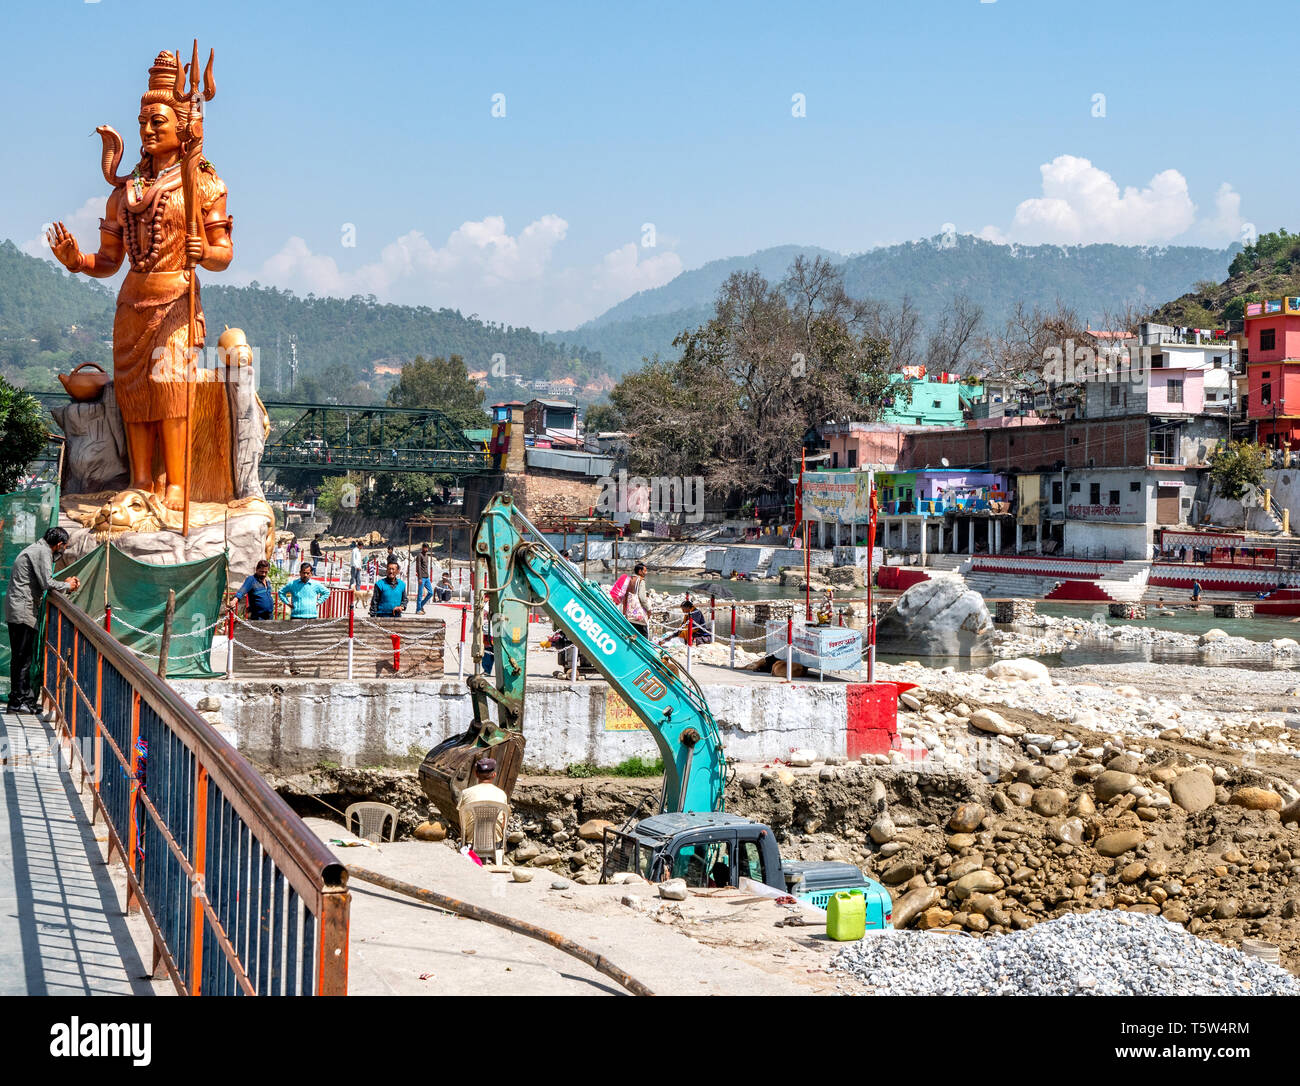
point(953, 341)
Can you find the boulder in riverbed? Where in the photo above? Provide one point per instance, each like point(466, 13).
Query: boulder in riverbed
point(936, 618)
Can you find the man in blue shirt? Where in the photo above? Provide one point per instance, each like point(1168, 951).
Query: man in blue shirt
point(389, 597)
point(304, 595)
point(261, 597)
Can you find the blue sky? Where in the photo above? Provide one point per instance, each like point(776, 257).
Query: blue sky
point(679, 115)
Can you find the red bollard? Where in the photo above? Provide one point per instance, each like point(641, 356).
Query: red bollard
point(108, 617)
point(397, 652)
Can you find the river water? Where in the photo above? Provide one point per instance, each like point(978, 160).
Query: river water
point(1182, 620)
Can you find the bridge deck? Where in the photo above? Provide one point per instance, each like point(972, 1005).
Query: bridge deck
point(62, 928)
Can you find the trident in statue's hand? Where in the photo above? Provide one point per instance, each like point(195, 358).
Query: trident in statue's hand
point(195, 243)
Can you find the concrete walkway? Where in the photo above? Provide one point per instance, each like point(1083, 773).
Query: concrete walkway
point(400, 946)
point(62, 928)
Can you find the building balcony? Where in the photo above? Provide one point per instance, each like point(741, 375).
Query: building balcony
point(1165, 460)
point(940, 507)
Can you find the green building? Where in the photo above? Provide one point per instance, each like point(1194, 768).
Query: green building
point(933, 403)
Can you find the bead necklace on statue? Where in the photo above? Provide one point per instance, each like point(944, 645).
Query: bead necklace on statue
point(152, 214)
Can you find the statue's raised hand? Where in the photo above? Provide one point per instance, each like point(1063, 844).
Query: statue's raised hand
point(64, 247)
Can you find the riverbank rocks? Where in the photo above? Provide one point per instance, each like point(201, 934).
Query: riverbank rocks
point(1291, 813)
point(966, 818)
point(934, 917)
point(1193, 791)
point(673, 890)
point(913, 903)
point(883, 831)
point(594, 829)
point(1212, 635)
point(1069, 832)
point(977, 882)
point(1112, 783)
point(986, 720)
point(1020, 793)
point(1023, 670)
point(1119, 842)
point(1050, 801)
point(1256, 799)
point(900, 872)
point(937, 618)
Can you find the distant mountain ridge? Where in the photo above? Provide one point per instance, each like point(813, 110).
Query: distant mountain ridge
point(341, 340)
point(1089, 278)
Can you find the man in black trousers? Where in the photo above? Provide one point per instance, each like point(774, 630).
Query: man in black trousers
point(32, 575)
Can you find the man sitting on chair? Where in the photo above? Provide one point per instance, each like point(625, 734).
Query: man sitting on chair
point(483, 790)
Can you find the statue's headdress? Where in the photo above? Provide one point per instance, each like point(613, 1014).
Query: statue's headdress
point(167, 86)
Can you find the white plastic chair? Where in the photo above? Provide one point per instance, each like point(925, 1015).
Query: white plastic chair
point(483, 825)
point(371, 817)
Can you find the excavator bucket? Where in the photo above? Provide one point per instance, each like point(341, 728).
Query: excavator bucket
point(449, 767)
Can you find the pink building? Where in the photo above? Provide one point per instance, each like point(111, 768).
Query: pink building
point(1176, 391)
point(867, 444)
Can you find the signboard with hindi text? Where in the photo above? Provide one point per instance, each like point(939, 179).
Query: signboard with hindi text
point(841, 497)
point(619, 716)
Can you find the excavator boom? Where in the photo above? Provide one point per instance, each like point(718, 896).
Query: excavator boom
point(517, 569)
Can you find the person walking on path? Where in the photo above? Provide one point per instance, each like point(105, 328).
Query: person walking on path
point(424, 593)
point(304, 596)
point(356, 563)
point(1196, 591)
point(261, 596)
point(389, 597)
point(31, 577)
point(316, 554)
point(636, 604)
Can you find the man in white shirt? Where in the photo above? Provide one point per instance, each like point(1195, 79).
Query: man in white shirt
point(356, 564)
point(483, 790)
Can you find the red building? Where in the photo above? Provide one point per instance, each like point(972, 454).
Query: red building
point(1273, 370)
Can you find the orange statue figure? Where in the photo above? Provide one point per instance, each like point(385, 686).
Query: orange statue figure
point(166, 218)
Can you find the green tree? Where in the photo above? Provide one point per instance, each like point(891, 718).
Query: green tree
point(1237, 466)
point(602, 417)
point(22, 434)
point(334, 489)
point(441, 383)
point(773, 362)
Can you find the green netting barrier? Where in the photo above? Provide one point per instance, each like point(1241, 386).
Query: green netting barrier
point(138, 594)
point(25, 516)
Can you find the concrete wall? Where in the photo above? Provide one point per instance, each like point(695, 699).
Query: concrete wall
point(294, 724)
point(1113, 540)
point(655, 555)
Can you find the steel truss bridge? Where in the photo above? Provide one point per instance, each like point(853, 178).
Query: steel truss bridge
point(333, 438)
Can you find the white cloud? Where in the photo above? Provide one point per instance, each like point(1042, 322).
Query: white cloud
point(480, 269)
point(1082, 204)
point(83, 224)
point(1226, 225)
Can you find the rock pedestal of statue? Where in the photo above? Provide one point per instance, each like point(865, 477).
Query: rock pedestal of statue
point(96, 508)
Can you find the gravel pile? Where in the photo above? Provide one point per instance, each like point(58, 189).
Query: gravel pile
point(1096, 953)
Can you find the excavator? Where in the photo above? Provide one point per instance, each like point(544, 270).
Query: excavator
point(691, 836)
